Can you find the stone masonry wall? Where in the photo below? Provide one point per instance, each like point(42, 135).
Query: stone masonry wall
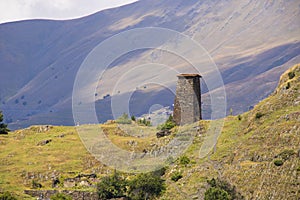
point(187, 106)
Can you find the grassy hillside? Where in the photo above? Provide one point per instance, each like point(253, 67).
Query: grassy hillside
point(258, 152)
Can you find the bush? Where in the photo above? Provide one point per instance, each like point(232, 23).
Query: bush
point(146, 186)
point(291, 75)
point(176, 176)
point(184, 160)
point(214, 193)
point(113, 186)
point(3, 127)
point(225, 186)
point(36, 185)
point(278, 162)
point(133, 118)
point(124, 119)
point(60, 196)
point(259, 115)
point(288, 86)
point(169, 124)
point(7, 196)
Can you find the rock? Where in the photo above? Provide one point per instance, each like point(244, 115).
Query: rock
point(163, 133)
point(84, 183)
point(69, 183)
point(44, 128)
point(61, 135)
point(44, 142)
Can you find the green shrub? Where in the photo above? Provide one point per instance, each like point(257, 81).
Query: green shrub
point(176, 176)
point(291, 75)
point(258, 115)
point(146, 186)
point(278, 162)
point(35, 184)
point(113, 186)
point(133, 118)
point(60, 196)
point(3, 127)
point(214, 193)
point(169, 124)
point(184, 160)
point(288, 86)
point(123, 119)
point(225, 186)
point(7, 196)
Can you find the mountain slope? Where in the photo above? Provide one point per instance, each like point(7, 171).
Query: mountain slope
point(252, 43)
point(245, 154)
point(248, 148)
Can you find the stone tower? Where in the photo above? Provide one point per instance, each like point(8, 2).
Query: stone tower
point(187, 105)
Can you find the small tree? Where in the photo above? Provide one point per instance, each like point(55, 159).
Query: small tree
point(146, 186)
point(3, 127)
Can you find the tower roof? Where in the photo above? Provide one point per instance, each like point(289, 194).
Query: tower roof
point(189, 75)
